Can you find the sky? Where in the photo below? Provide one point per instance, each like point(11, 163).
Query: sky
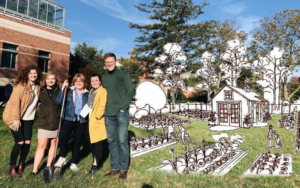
point(105, 23)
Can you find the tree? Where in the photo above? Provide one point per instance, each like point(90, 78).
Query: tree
point(236, 60)
point(133, 68)
point(221, 33)
point(171, 24)
point(293, 88)
point(86, 58)
point(172, 59)
point(279, 30)
point(271, 70)
point(247, 74)
point(192, 81)
point(208, 73)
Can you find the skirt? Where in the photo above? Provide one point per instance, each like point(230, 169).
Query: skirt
point(42, 133)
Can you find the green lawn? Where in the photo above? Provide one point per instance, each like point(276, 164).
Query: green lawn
point(138, 176)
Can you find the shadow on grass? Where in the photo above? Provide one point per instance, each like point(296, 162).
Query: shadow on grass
point(130, 135)
point(146, 186)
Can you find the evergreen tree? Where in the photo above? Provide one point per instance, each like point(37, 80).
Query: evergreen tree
point(171, 24)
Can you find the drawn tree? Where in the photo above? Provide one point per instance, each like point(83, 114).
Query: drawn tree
point(149, 97)
point(272, 71)
point(173, 59)
point(281, 29)
point(235, 57)
point(208, 73)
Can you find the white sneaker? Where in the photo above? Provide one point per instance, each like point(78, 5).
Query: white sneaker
point(74, 167)
point(60, 162)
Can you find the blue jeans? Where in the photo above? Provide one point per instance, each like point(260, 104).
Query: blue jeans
point(117, 138)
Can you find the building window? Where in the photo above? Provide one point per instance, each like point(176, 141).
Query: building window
point(9, 53)
point(23, 4)
point(43, 60)
point(12, 5)
point(228, 95)
point(2, 3)
point(43, 10)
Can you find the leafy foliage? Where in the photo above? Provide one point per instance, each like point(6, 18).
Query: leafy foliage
point(86, 58)
point(192, 81)
point(134, 69)
point(293, 88)
point(248, 74)
point(171, 23)
point(221, 33)
point(283, 30)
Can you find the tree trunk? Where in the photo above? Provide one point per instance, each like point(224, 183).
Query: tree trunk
point(218, 84)
point(172, 95)
point(292, 94)
point(285, 89)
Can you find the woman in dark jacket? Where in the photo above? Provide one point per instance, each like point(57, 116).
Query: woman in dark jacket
point(48, 121)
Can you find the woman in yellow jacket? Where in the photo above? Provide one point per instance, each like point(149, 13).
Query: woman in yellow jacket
point(97, 132)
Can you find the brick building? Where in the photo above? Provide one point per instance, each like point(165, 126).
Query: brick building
point(32, 33)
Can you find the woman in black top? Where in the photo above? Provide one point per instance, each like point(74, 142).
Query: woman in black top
point(48, 121)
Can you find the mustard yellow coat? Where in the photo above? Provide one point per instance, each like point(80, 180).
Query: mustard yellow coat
point(97, 129)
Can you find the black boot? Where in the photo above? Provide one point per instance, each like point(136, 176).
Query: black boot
point(93, 169)
point(48, 174)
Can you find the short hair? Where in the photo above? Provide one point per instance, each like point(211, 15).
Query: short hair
point(110, 55)
point(96, 75)
point(78, 76)
point(45, 78)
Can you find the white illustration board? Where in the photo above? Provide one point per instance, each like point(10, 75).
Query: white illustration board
point(147, 149)
point(149, 96)
point(271, 165)
point(213, 159)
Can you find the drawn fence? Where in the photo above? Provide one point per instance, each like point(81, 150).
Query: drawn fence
point(169, 108)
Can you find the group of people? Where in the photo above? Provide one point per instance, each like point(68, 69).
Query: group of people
point(102, 112)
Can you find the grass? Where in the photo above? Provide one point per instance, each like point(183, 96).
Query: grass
point(138, 176)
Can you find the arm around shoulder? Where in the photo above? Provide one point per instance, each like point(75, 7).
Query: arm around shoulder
point(59, 98)
point(100, 109)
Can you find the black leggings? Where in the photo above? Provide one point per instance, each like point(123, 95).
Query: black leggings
point(96, 149)
point(78, 132)
point(24, 133)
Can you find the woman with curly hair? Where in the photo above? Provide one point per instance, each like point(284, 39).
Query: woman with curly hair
point(19, 114)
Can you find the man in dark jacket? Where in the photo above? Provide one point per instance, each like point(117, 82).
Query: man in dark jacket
point(119, 95)
point(7, 92)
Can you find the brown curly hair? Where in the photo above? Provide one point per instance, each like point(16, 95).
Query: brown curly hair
point(22, 77)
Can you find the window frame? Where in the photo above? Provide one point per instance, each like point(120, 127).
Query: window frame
point(226, 96)
point(12, 65)
point(45, 59)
